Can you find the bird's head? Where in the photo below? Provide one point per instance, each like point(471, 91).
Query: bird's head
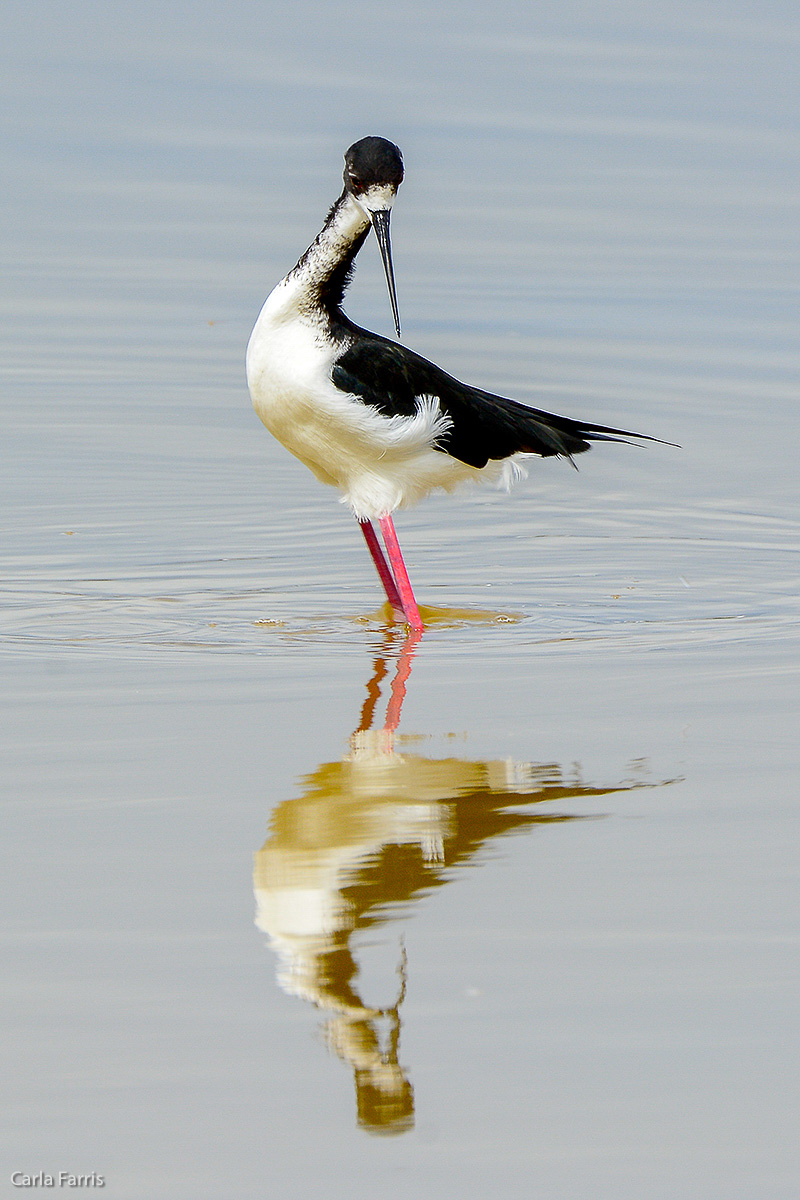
point(373, 171)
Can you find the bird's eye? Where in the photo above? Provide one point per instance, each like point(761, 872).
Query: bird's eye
point(356, 185)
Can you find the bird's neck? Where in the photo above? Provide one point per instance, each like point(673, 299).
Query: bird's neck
point(323, 272)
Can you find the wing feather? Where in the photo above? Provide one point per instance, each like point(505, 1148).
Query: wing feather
point(483, 426)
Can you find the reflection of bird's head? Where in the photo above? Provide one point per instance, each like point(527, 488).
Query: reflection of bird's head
point(384, 1095)
point(385, 1099)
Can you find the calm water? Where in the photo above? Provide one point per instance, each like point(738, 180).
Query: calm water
point(523, 892)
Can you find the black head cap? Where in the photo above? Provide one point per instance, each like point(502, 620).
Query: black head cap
point(372, 161)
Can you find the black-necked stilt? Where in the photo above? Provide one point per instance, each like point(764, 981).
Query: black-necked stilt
point(367, 415)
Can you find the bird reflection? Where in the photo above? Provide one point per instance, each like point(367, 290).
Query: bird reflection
point(371, 834)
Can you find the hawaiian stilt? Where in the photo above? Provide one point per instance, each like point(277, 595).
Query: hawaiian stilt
point(365, 414)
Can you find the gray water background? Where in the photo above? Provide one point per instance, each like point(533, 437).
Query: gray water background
point(600, 216)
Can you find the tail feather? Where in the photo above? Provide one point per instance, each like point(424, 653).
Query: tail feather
point(492, 427)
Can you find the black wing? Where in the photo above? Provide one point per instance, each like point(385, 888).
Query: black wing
point(483, 426)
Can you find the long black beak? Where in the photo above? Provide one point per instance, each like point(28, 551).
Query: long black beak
point(380, 223)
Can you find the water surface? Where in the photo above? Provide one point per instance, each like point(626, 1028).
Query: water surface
point(522, 892)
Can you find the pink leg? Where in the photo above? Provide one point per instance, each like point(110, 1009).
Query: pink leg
point(407, 600)
point(382, 567)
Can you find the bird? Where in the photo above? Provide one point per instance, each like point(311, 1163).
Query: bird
point(366, 414)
